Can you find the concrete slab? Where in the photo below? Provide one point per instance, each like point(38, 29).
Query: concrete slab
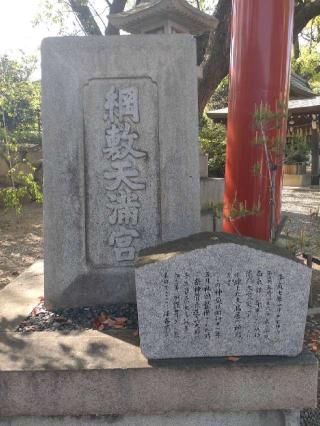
point(90, 373)
point(19, 297)
point(274, 418)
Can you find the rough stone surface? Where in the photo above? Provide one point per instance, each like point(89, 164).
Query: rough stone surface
point(19, 297)
point(264, 418)
point(121, 164)
point(208, 295)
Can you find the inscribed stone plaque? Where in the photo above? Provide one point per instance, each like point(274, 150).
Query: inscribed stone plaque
point(121, 166)
point(213, 296)
point(122, 175)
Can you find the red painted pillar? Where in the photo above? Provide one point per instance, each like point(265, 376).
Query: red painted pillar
point(259, 72)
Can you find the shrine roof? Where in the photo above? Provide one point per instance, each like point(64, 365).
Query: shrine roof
point(295, 106)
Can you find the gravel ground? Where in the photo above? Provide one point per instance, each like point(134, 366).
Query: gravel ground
point(100, 318)
point(301, 206)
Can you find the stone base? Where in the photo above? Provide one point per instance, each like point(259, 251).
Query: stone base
point(92, 378)
point(261, 418)
point(92, 373)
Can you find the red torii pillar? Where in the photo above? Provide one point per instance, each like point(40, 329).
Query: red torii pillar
point(259, 73)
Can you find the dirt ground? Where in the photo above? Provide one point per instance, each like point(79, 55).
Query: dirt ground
point(20, 241)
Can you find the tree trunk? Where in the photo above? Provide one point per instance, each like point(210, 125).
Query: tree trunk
point(216, 62)
point(116, 6)
point(304, 12)
point(85, 17)
point(296, 48)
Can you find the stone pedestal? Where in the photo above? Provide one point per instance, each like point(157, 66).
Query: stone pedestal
point(57, 379)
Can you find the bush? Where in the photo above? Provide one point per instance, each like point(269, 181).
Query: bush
point(297, 150)
point(213, 142)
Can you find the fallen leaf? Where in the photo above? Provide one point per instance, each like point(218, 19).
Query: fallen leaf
point(111, 322)
point(233, 358)
point(95, 323)
point(103, 317)
point(121, 320)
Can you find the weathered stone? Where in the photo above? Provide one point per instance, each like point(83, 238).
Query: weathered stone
point(121, 166)
point(220, 295)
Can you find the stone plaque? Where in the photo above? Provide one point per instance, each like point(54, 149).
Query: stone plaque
point(122, 169)
point(121, 164)
point(214, 296)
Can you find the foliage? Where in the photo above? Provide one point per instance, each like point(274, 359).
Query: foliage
point(58, 15)
point(307, 61)
point(213, 142)
point(19, 97)
point(297, 149)
point(269, 124)
point(19, 124)
point(219, 98)
point(21, 175)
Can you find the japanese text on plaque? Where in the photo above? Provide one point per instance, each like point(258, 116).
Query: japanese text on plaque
point(123, 182)
point(197, 306)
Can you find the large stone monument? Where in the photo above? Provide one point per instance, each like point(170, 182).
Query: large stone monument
point(121, 168)
point(221, 295)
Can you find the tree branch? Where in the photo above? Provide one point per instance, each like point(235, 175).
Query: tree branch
point(116, 6)
point(303, 15)
point(216, 62)
point(85, 17)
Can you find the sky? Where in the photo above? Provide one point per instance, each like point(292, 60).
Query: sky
point(16, 29)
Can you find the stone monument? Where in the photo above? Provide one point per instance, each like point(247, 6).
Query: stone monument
point(221, 295)
point(121, 169)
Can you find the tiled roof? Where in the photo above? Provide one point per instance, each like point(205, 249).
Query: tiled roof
point(295, 106)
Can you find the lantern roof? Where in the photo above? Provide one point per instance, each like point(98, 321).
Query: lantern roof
point(152, 16)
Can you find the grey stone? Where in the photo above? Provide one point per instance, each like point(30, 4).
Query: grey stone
point(95, 91)
point(220, 295)
point(292, 418)
point(211, 191)
point(20, 296)
point(263, 418)
point(92, 373)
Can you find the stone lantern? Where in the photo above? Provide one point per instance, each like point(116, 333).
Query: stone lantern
point(164, 17)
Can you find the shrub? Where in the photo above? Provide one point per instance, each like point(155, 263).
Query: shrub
point(213, 142)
